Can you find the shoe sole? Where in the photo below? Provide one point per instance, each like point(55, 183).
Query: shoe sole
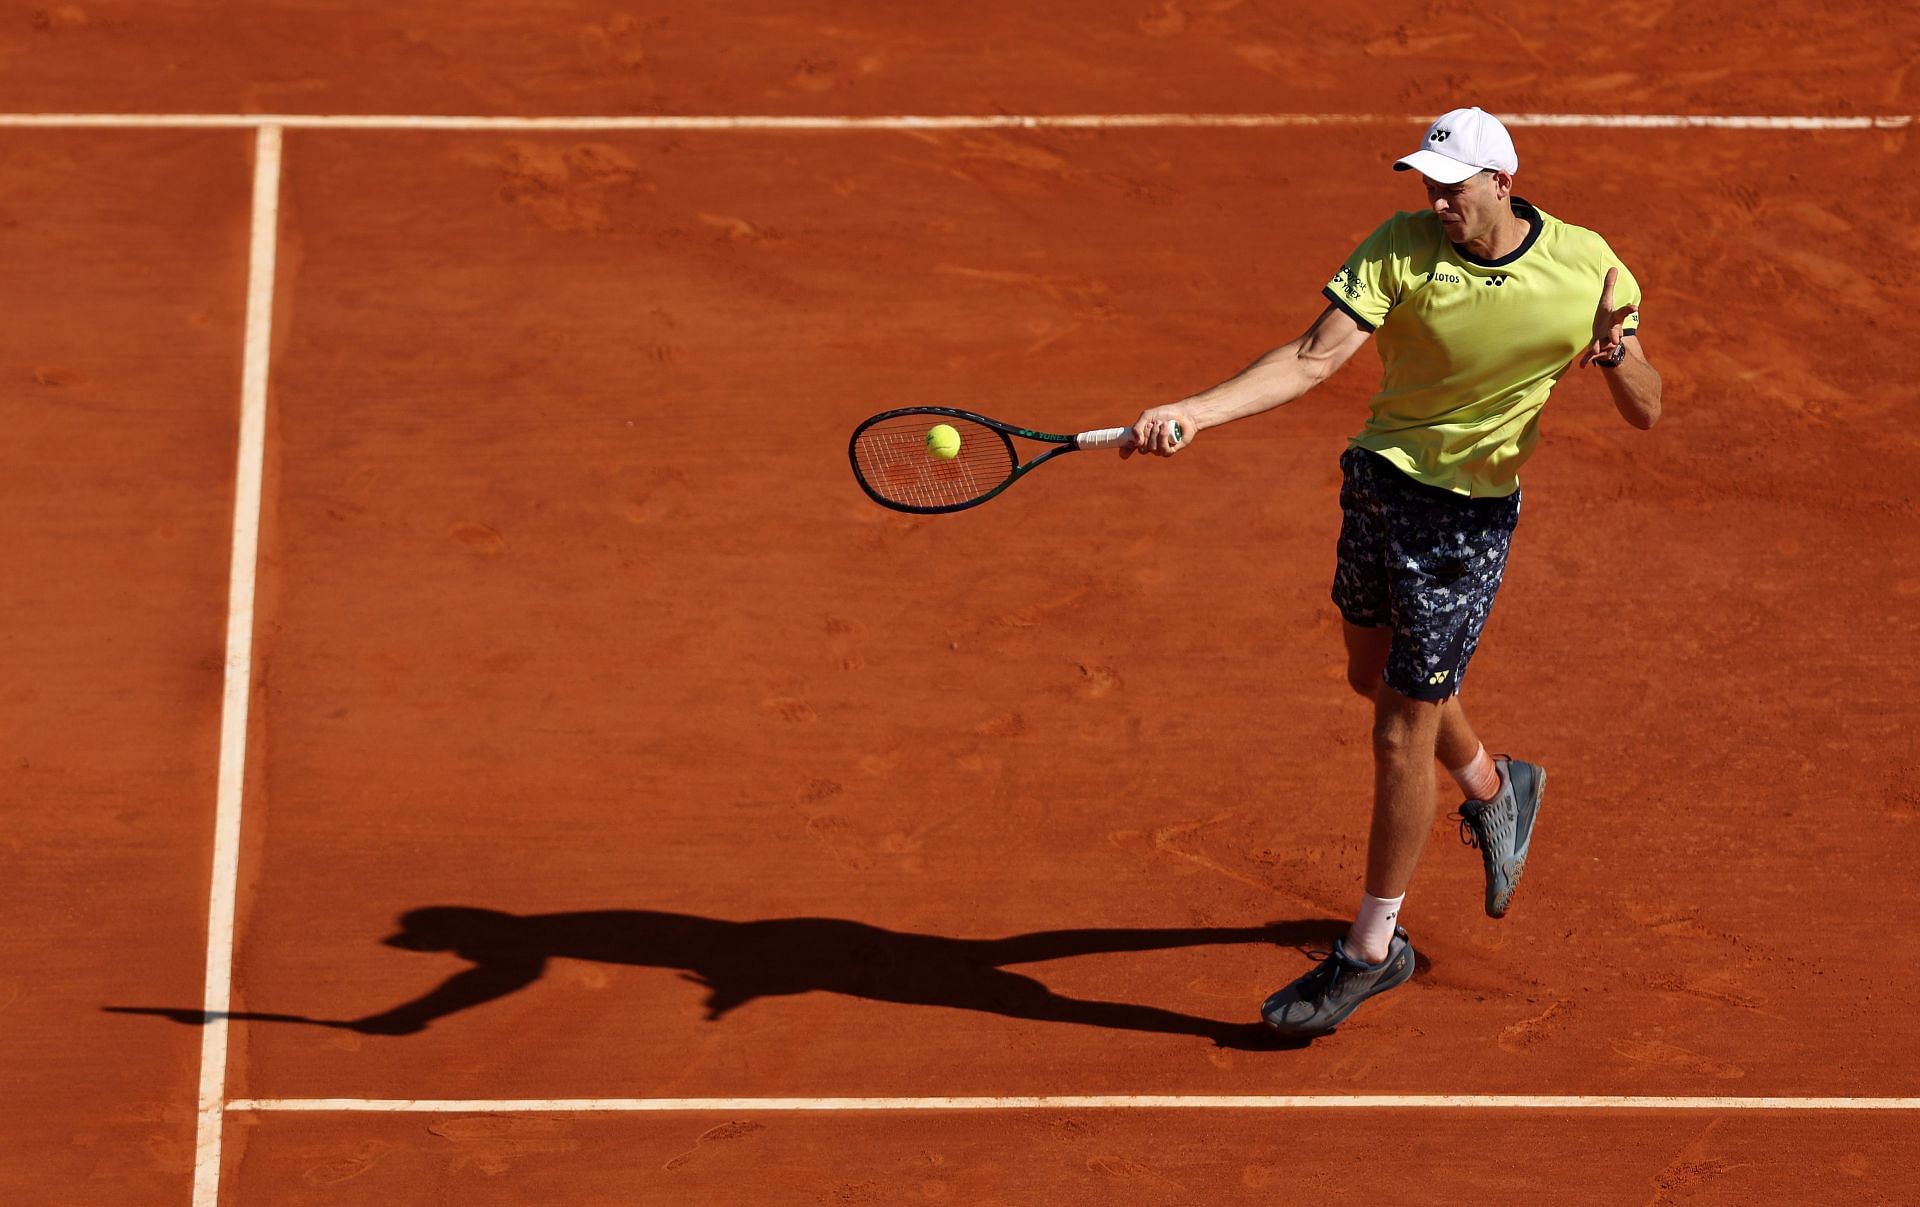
point(1326, 1027)
point(1498, 907)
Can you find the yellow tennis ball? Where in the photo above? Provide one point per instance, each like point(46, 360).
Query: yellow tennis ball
point(943, 442)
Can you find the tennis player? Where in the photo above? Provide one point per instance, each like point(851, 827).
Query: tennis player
point(1481, 302)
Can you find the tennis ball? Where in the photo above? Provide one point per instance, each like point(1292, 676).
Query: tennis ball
point(943, 442)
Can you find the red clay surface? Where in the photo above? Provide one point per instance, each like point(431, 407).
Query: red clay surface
point(123, 258)
point(575, 608)
point(570, 611)
point(1093, 1157)
point(1076, 56)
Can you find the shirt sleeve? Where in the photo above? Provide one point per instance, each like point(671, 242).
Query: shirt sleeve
point(1626, 292)
point(1368, 285)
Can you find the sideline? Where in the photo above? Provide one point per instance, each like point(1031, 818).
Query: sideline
point(239, 665)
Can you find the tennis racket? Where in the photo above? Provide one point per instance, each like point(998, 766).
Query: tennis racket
point(894, 465)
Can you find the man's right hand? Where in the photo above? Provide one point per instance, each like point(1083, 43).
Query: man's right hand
point(1154, 431)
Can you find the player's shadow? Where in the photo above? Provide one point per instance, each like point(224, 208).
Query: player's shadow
point(740, 962)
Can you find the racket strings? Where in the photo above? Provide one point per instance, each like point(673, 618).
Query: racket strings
point(893, 460)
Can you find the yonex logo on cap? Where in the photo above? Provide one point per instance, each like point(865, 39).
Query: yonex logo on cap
point(1460, 143)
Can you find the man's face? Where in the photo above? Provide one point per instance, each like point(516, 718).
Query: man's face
point(1469, 210)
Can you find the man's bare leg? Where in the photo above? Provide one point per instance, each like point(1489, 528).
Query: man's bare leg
point(1367, 648)
point(1404, 735)
point(1375, 956)
point(1458, 743)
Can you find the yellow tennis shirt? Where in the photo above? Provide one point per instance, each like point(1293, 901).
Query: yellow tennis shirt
point(1470, 348)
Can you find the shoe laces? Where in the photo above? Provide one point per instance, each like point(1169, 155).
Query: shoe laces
point(1469, 837)
point(1483, 823)
point(1324, 977)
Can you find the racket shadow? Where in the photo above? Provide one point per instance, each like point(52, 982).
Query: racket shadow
point(738, 963)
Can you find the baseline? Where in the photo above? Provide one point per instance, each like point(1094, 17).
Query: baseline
point(997, 121)
point(1083, 1102)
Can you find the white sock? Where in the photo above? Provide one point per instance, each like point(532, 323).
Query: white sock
point(1371, 934)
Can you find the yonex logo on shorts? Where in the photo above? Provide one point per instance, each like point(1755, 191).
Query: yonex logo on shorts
point(1437, 679)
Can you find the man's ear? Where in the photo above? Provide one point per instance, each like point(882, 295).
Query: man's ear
point(1503, 185)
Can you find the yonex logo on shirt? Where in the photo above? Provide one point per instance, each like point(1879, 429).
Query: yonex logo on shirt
point(1498, 278)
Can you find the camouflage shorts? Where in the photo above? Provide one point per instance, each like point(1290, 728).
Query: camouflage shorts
point(1424, 561)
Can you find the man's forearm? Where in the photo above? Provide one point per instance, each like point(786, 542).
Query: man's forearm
point(1635, 386)
point(1276, 379)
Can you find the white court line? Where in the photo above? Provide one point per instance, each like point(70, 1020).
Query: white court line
point(994, 121)
point(1231, 1102)
point(239, 666)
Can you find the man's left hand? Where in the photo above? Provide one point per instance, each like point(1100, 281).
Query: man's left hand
point(1608, 323)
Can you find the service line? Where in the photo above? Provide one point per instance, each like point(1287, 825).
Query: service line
point(1228, 1102)
point(992, 121)
point(239, 665)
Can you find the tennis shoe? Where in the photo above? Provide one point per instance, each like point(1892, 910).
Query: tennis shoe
point(1502, 828)
point(1322, 999)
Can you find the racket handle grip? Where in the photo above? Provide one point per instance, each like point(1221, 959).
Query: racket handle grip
point(1106, 437)
point(1111, 437)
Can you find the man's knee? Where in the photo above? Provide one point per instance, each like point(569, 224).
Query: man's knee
point(1404, 728)
point(1396, 738)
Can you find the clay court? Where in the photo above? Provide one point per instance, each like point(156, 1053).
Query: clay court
point(794, 851)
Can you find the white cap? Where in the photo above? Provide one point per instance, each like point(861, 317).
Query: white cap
point(1461, 143)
